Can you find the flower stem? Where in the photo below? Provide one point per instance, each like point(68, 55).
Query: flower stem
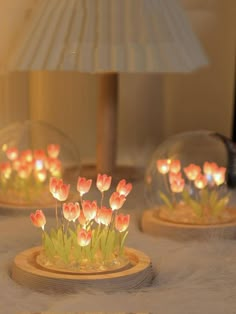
point(56, 213)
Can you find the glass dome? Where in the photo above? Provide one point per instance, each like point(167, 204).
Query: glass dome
point(30, 153)
point(188, 179)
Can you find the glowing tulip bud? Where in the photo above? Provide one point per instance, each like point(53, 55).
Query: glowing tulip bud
point(12, 153)
point(84, 237)
point(192, 171)
point(82, 220)
point(16, 164)
point(54, 166)
point(71, 211)
point(24, 170)
point(83, 185)
point(103, 182)
point(27, 155)
point(163, 165)
point(123, 188)
point(122, 222)
point(59, 190)
point(62, 192)
point(53, 150)
point(39, 154)
point(209, 167)
point(200, 182)
point(90, 209)
point(116, 201)
point(177, 185)
point(104, 216)
point(175, 166)
point(174, 177)
point(53, 184)
point(40, 175)
point(38, 219)
point(6, 170)
point(219, 175)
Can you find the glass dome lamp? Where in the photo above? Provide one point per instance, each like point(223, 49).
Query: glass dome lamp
point(188, 180)
point(31, 152)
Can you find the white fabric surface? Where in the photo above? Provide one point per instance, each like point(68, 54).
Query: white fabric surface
point(194, 277)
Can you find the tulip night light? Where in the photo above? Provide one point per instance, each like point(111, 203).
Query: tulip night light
point(187, 184)
point(25, 175)
point(86, 247)
point(87, 235)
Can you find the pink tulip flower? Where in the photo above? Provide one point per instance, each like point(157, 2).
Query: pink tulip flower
point(89, 209)
point(82, 220)
point(163, 165)
point(39, 154)
point(123, 188)
point(122, 222)
point(174, 177)
point(219, 175)
point(26, 155)
point(53, 150)
point(71, 211)
point(53, 184)
point(40, 175)
point(24, 170)
point(59, 190)
point(192, 171)
point(104, 216)
point(116, 201)
point(175, 166)
point(200, 182)
point(54, 166)
point(209, 167)
point(6, 170)
point(84, 237)
point(38, 219)
point(12, 153)
point(177, 185)
point(103, 182)
point(83, 185)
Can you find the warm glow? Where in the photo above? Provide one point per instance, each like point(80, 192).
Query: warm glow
point(192, 171)
point(163, 165)
point(219, 175)
point(86, 230)
point(201, 181)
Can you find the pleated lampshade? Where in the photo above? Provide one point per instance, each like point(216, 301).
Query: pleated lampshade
point(108, 36)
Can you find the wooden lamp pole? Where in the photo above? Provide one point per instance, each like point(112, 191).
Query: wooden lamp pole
point(107, 122)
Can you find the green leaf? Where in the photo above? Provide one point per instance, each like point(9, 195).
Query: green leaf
point(221, 204)
point(110, 244)
point(166, 200)
point(213, 198)
point(123, 242)
point(186, 196)
point(196, 207)
point(204, 196)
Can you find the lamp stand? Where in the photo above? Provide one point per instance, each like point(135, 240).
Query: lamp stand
point(107, 122)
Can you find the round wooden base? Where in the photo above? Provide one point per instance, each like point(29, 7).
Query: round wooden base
point(28, 273)
point(153, 225)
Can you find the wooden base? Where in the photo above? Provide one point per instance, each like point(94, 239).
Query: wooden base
point(155, 226)
point(28, 273)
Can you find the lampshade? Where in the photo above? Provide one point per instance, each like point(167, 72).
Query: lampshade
point(108, 36)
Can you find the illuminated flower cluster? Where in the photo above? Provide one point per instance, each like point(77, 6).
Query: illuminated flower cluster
point(84, 223)
point(29, 168)
point(193, 184)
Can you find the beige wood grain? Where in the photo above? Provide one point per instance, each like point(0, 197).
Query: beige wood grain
point(107, 122)
point(27, 272)
point(152, 225)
